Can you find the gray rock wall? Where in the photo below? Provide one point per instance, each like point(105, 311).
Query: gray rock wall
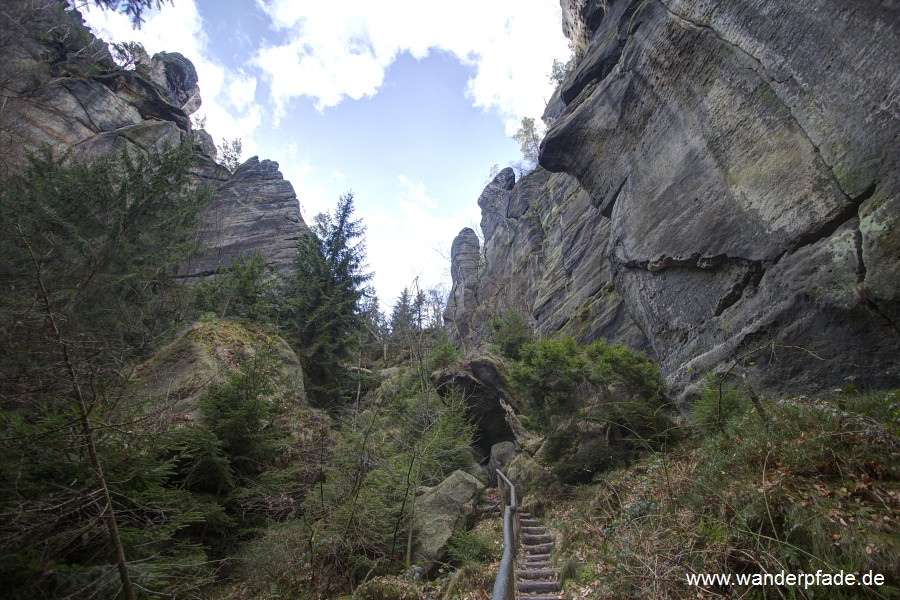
point(255, 210)
point(61, 90)
point(734, 180)
point(544, 257)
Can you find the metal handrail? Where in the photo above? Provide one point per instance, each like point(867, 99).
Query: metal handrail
point(505, 584)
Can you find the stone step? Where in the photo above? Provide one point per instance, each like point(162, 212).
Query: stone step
point(537, 548)
point(538, 586)
point(534, 530)
point(535, 564)
point(536, 574)
point(530, 540)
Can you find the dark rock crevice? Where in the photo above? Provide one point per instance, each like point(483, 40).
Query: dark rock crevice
point(861, 289)
point(606, 208)
point(695, 261)
point(827, 229)
point(751, 279)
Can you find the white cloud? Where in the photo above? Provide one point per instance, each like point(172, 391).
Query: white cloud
point(334, 51)
point(228, 95)
point(409, 242)
point(341, 50)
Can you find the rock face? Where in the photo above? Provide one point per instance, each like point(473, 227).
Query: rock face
point(176, 75)
point(544, 257)
point(465, 255)
point(736, 165)
point(446, 507)
point(481, 378)
point(256, 210)
point(61, 90)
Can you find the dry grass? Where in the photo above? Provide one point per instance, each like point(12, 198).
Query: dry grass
point(818, 489)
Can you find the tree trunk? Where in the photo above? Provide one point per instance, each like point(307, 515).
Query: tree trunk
point(109, 515)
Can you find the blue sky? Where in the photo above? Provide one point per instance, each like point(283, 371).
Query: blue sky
point(408, 103)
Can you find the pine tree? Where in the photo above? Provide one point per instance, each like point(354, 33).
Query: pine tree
point(133, 8)
point(321, 307)
point(403, 316)
point(87, 254)
point(529, 137)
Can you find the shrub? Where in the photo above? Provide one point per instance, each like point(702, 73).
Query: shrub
point(548, 373)
point(813, 489)
point(618, 365)
point(570, 569)
point(245, 289)
point(718, 404)
point(241, 411)
point(470, 547)
point(606, 403)
point(510, 332)
point(443, 355)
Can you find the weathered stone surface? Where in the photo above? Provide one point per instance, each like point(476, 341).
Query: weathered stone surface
point(502, 453)
point(203, 355)
point(446, 507)
point(84, 104)
point(177, 77)
point(736, 198)
point(481, 378)
point(736, 147)
point(528, 476)
point(545, 256)
point(62, 89)
point(256, 211)
point(464, 258)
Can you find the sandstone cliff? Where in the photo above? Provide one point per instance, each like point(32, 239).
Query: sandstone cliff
point(61, 89)
point(725, 179)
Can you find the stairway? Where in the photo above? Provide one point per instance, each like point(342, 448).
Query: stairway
point(489, 504)
point(536, 579)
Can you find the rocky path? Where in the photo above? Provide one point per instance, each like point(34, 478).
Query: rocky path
point(536, 579)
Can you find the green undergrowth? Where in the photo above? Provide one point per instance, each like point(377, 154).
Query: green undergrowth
point(473, 561)
point(815, 486)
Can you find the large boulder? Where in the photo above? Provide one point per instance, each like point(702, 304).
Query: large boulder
point(443, 509)
point(177, 77)
point(528, 476)
point(481, 378)
point(203, 355)
point(502, 453)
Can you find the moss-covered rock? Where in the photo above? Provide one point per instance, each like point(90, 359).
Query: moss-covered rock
point(440, 511)
point(203, 355)
point(527, 475)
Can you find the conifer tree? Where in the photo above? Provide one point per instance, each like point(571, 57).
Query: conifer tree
point(87, 254)
point(321, 310)
point(403, 314)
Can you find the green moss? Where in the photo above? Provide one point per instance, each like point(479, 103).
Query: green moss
point(203, 355)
